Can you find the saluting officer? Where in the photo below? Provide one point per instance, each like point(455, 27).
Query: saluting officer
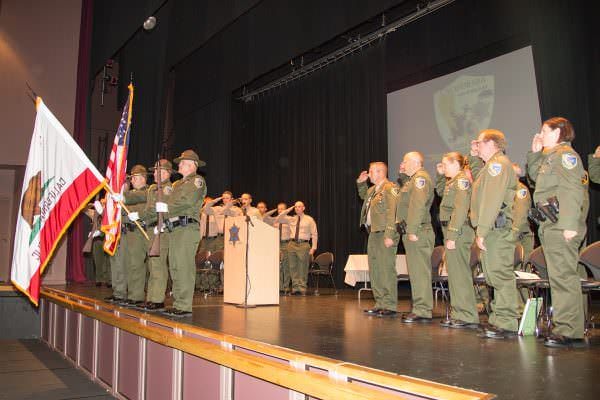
point(378, 215)
point(454, 186)
point(183, 208)
point(412, 212)
point(491, 215)
point(285, 279)
point(157, 266)
point(559, 175)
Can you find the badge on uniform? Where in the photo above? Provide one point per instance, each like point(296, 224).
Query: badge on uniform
point(585, 178)
point(396, 191)
point(522, 193)
point(495, 168)
point(569, 161)
point(167, 190)
point(420, 183)
point(463, 184)
point(199, 182)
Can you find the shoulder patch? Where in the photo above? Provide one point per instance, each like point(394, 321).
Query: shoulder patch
point(585, 178)
point(569, 160)
point(199, 182)
point(463, 184)
point(495, 168)
point(420, 183)
point(522, 193)
point(167, 190)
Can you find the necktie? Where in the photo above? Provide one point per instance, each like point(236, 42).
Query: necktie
point(297, 235)
point(366, 215)
point(280, 229)
point(207, 225)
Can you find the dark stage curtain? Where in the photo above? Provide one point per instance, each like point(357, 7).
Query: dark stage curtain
point(309, 142)
point(75, 263)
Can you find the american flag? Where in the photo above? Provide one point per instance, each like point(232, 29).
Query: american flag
point(116, 171)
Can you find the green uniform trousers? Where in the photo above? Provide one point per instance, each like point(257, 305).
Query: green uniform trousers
point(565, 285)
point(497, 263)
point(382, 271)
point(418, 260)
point(298, 259)
point(526, 240)
point(118, 270)
point(183, 243)
point(460, 278)
point(158, 273)
point(101, 261)
point(285, 279)
point(137, 246)
point(211, 280)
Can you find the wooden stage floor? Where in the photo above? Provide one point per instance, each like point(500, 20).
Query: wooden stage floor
point(335, 327)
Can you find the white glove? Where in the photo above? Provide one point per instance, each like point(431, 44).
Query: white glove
point(98, 207)
point(117, 197)
point(162, 207)
point(156, 230)
point(133, 216)
point(97, 233)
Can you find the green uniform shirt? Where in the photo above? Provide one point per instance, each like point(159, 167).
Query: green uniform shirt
point(415, 201)
point(135, 200)
point(594, 168)
point(454, 207)
point(493, 190)
point(149, 214)
point(559, 172)
point(187, 196)
point(521, 208)
point(381, 203)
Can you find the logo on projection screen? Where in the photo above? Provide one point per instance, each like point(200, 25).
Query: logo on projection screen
point(463, 108)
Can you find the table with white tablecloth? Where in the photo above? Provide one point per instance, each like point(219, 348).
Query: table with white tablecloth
point(357, 269)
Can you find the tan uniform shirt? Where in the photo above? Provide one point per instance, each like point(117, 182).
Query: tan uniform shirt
point(307, 231)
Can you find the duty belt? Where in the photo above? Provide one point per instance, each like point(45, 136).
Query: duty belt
point(182, 220)
point(284, 240)
point(300, 240)
point(128, 226)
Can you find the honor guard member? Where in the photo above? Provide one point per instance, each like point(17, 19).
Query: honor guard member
point(304, 232)
point(247, 208)
point(378, 216)
point(118, 271)
point(520, 210)
point(158, 273)
point(561, 196)
point(594, 166)
point(183, 207)
point(137, 244)
point(414, 220)
point(99, 256)
point(285, 279)
point(454, 187)
point(491, 215)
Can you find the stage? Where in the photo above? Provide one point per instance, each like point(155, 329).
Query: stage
point(334, 327)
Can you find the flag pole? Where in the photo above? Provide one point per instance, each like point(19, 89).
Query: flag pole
point(108, 189)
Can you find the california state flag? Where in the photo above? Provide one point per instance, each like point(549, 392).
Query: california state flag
point(59, 181)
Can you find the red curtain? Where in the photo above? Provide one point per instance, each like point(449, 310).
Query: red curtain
point(75, 262)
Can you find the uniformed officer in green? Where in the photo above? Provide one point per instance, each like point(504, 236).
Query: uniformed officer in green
point(183, 208)
point(559, 173)
point(454, 186)
point(99, 256)
point(118, 269)
point(520, 210)
point(378, 216)
point(491, 215)
point(412, 211)
point(594, 166)
point(158, 273)
point(137, 244)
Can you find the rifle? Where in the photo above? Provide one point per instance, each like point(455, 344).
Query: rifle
point(155, 248)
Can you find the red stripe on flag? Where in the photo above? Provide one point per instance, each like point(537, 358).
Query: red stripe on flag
point(69, 203)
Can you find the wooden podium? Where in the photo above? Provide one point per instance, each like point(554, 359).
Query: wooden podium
point(263, 262)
